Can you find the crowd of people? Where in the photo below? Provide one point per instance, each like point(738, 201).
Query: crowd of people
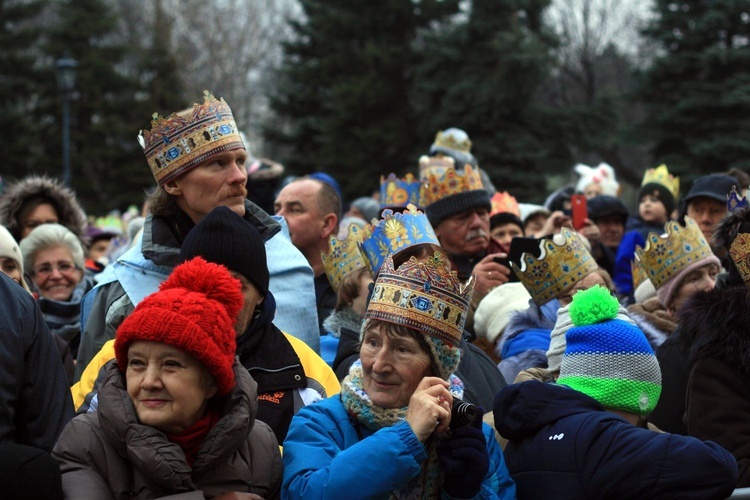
point(250, 335)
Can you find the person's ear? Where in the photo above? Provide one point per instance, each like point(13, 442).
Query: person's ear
point(172, 188)
point(329, 225)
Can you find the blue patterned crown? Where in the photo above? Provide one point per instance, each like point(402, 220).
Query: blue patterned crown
point(735, 201)
point(395, 192)
point(393, 233)
point(343, 256)
point(424, 296)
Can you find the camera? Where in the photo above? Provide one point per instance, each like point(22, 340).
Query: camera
point(462, 413)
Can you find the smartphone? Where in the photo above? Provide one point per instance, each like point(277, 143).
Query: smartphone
point(579, 212)
point(505, 261)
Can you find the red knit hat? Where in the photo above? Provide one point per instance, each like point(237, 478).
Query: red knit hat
point(194, 310)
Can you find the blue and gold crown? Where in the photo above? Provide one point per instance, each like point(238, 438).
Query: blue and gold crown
point(735, 201)
point(424, 296)
point(393, 233)
point(343, 256)
point(665, 256)
point(396, 192)
point(185, 139)
point(563, 262)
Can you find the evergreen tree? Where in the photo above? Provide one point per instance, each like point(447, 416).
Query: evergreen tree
point(699, 88)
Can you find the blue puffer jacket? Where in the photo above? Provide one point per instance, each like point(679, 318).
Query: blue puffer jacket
point(326, 456)
point(564, 444)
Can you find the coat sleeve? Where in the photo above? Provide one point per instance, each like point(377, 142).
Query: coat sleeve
point(497, 482)
point(76, 451)
point(718, 405)
point(623, 275)
point(318, 464)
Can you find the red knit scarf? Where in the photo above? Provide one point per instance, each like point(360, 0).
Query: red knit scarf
point(191, 439)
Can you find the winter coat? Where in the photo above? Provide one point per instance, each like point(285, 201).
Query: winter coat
point(109, 454)
point(35, 403)
point(327, 455)
point(673, 363)
point(564, 444)
point(716, 327)
point(654, 320)
point(64, 317)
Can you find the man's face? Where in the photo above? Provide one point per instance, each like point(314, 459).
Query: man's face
point(612, 228)
point(707, 212)
point(466, 233)
point(298, 204)
point(218, 181)
point(252, 297)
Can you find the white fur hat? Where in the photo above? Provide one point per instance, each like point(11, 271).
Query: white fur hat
point(603, 174)
point(496, 308)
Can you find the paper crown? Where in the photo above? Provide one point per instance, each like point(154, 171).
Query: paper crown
point(452, 139)
point(735, 201)
point(562, 263)
point(183, 140)
point(739, 250)
point(393, 233)
point(424, 296)
point(665, 256)
point(450, 182)
point(436, 165)
point(638, 273)
point(660, 175)
point(343, 256)
point(396, 192)
point(504, 203)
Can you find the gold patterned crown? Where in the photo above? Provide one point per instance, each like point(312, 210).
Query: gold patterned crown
point(185, 139)
point(563, 262)
point(395, 192)
point(438, 187)
point(665, 256)
point(343, 256)
point(449, 140)
point(638, 273)
point(437, 165)
point(504, 203)
point(422, 295)
point(739, 250)
point(660, 175)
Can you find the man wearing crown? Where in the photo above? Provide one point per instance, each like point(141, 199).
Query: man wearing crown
point(198, 160)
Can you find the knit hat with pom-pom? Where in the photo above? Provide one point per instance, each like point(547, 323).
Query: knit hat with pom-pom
point(194, 310)
point(608, 359)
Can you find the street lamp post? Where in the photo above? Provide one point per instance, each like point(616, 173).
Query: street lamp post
point(65, 71)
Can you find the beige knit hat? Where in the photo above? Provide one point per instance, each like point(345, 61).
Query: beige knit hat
point(496, 308)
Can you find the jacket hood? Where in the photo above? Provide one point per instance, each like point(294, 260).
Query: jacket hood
point(70, 213)
point(534, 318)
point(346, 318)
point(520, 410)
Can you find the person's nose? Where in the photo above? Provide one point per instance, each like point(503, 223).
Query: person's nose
point(239, 173)
point(707, 283)
point(382, 362)
point(151, 379)
point(55, 273)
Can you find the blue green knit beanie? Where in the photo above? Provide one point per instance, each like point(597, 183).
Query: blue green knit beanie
point(608, 359)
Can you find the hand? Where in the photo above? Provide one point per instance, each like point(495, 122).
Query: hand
point(590, 231)
point(554, 222)
point(464, 460)
point(429, 408)
point(488, 275)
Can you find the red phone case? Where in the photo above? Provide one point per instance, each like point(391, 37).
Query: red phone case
point(579, 210)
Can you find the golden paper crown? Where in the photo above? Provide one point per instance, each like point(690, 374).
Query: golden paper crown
point(449, 183)
point(665, 256)
point(739, 250)
point(343, 256)
point(449, 140)
point(660, 175)
point(563, 262)
point(184, 140)
point(434, 165)
point(395, 192)
point(504, 203)
point(424, 296)
point(638, 273)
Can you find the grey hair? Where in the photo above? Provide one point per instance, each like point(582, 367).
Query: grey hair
point(49, 236)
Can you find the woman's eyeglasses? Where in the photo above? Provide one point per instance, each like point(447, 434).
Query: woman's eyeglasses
point(45, 270)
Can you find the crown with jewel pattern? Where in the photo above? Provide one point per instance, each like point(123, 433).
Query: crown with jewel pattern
point(422, 295)
point(735, 201)
point(436, 165)
point(343, 256)
point(504, 203)
point(665, 256)
point(563, 262)
point(396, 192)
point(638, 273)
point(394, 232)
point(660, 175)
point(441, 185)
point(448, 140)
point(740, 253)
point(185, 139)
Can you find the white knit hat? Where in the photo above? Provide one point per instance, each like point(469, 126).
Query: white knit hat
point(496, 308)
point(9, 249)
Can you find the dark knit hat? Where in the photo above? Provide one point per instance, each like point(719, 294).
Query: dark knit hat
point(226, 238)
point(457, 203)
point(665, 197)
point(504, 218)
point(606, 206)
point(194, 310)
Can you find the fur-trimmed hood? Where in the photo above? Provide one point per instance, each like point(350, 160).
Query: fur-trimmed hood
point(345, 318)
point(716, 324)
point(653, 320)
point(70, 213)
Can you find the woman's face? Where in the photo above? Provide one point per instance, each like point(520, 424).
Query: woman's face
point(359, 304)
point(587, 282)
point(393, 366)
point(697, 280)
point(44, 213)
point(55, 273)
point(169, 387)
point(11, 268)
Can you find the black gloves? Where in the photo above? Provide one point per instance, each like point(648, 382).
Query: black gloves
point(464, 460)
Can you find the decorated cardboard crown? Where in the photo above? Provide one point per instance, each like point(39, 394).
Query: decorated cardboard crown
point(735, 201)
point(450, 182)
point(343, 256)
point(660, 175)
point(504, 203)
point(665, 256)
point(183, 140)
point(424, 296)
point(638, 273)
point(455, 139)
point(396, 192)
point(563, 261)
point(394, 232)
point(434, 165)
point(739, 250)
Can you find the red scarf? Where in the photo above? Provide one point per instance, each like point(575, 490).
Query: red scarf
point(191, 439)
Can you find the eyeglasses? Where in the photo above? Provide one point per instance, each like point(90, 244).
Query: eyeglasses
point(45, 270)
